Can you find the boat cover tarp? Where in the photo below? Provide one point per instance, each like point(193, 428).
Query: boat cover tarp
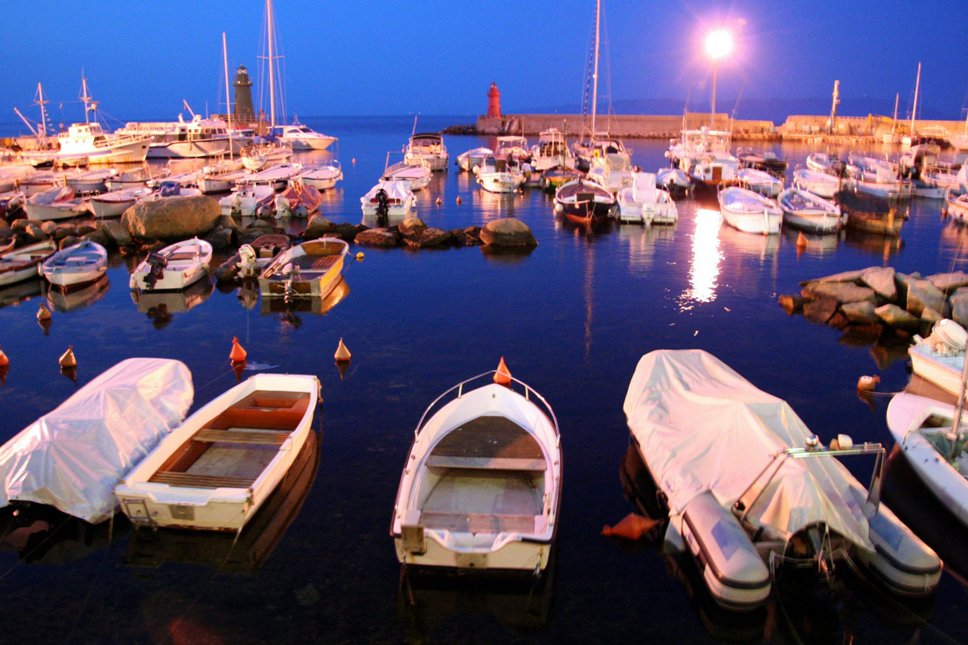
point(72, 457)
point(701, 426)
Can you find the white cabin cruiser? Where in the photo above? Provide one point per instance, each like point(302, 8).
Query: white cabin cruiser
point(496, 175)
point(646, 202)
point(301, 137)
point(428, 148)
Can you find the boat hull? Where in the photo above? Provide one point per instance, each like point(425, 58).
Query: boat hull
point(320, 270)
point(76, 265)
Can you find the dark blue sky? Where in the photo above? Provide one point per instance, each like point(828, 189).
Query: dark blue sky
point(372, 57)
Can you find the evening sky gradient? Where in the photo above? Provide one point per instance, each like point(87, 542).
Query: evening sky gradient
point(380, 57)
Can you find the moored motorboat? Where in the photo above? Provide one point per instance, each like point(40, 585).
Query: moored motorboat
point(551, 151)
point(215, 470)
point(747, 483)
point(427, 148)
point(76, 265)
point(59, 202)
point(24, 263)
point(323, 175)
point(470, 159)
point(818, 183)
point(940, 358)
point(584, 202)
point(416, 173)
point(645, 202)
point(749, 212)
point(301, 137)
point(804, 210)
point(72, 457)
point(496, 175)
point(675, 180)
point(766, 161)
point(114, 203)
point(174, 267)
point(956, 206)
point(252, 258)
point(311, 269)
point(248, 200)
point(759, 181)
point(388, 201)
point(870, 214)
point(481, 486)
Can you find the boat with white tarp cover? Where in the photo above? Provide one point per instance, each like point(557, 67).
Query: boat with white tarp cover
point(72, 457)
point(750, 489)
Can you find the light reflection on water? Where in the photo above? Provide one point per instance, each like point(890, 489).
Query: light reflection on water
point(705, 259)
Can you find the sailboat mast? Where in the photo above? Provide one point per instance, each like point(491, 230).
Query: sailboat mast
point(598, 17)
point(85, 98)
point(270, 27)
point(897, 98)
point(228, 95)
point(41, 101)
point(914, 111)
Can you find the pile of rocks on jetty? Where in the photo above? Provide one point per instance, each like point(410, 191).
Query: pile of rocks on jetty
point(881, 298)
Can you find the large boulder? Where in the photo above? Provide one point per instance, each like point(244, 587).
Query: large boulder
point(860, 313)
point(881, 280)
point(959, 308)
point(820, 310)
point(220, 238)
point(894, 316)
point(842, 292)
point(428, 238)
point(383, 238)
point(846, 276)
point(921, 294)
point(115, 231)
point(411, 227)
point(948, 282)
point(508, 232)
point(178, 217)
point(317, 226)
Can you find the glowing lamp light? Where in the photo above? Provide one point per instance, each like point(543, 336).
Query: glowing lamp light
point(719, 44)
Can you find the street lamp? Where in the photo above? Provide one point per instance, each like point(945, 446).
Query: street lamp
point(719, 44)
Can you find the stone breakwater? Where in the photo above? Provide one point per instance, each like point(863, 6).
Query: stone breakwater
point(879, 299)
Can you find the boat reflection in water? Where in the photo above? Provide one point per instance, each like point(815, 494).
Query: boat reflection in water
point(811, 244)
point(246, 551)
point(64, 301)
point(704, 264)
point(41, 534)
point(304, 305)
point(641, 242)
point(159, 306)
point(438, 606)
point(492, 206)
point(21, 292)
point(749, 244)
point(881, 246)
point(801, 607)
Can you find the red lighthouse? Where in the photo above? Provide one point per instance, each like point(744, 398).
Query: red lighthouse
point(494, 102)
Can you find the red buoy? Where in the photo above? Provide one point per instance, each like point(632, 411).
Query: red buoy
point(238, 353)
point(503, 375)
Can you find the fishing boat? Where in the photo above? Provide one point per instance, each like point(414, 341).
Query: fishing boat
point(956, 206)
point(388, 200)
point(215, 470)
point(759, 181)
point(704, 155)
point(496, 175)
point(554, 178)
point(59, 202)
point(645, 202)
point(252, 258)
point(933, 437)
point(675, 180)
point(426, 148)
point(749, 212)
point(551, 151)
point(826, 163)
point(804, 210)
point(470, 159)
point(24, 263)
point(746, 484)
point(481, 486)
point(195, 139)
point(321, 176)
point(220, 177)
point(76, 265)
point(89, 181)
point(311, 269)
point(72, 457)
point(940, 357)
point(876, 177)
point(766, 161)
point(114, 203)
point(818, 183)
point(584, 202)
point(174, 267)
point(513, 148)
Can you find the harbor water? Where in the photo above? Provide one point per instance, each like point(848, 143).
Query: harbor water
point(571, 318)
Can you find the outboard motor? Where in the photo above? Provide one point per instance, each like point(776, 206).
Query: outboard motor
point(156, 268)
point(382, 207)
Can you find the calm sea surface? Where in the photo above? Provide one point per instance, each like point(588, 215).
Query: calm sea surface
point(571, 318)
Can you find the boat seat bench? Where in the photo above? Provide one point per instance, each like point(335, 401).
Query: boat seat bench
point(489, 463)
point(240, 435)
point(193, 480)
point(478, 522)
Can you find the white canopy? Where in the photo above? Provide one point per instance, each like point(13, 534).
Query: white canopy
point(72, 457)
point(701, 426)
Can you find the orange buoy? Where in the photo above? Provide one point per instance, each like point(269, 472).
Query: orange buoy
point(868, 383)
point(458, 200)
point(342, 354)
point(43, 313)
point(238, 353)
point(502, 376)
point(801, 240)
point(4, 361)
point(631, 527)
point(438, 201)
point(353, 161)
point(68, 359)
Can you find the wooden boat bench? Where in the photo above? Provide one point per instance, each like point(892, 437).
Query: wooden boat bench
point(315, 262)
point(478, 522)
point(194, 480)
point(488, 463)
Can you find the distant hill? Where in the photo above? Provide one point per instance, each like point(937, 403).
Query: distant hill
point(772, 109)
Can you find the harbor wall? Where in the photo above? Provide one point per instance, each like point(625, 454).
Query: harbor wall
point(653, 126)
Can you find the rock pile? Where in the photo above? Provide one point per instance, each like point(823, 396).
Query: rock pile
point(882, 297)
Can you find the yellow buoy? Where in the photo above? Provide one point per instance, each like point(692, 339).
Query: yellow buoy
point(43, 313)
point(868, 383)
point(4, 361)
point(68, 359)
point(237, 353)
point(359, 256)
point(502, 376)
point(342, 354)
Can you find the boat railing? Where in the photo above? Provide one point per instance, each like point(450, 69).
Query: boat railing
point(813, 450)
point(457, 391)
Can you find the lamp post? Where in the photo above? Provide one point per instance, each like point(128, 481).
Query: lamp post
point(719, 44)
